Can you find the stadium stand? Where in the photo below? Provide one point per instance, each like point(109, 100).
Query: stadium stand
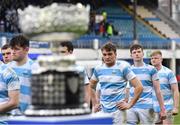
point(163, 27)
point(123, 22)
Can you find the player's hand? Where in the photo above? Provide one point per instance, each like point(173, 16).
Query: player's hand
point(96, 108)
point(163, 115)
point(126, 100)
point(175, 111)
point(123, 105)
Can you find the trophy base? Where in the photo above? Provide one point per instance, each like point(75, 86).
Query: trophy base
point(84, 109)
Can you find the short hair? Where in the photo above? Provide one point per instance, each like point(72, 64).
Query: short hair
point(156, 52)
point(19, 40)
point(109, 46)
point(5, 46)
point(135, 46)
point(67, 44)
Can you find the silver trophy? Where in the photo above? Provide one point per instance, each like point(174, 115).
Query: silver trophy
point(58, 85)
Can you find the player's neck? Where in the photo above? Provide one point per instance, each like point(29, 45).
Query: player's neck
point(22, 62)
point(110, 64)
point(158, 67)
point(138, 63)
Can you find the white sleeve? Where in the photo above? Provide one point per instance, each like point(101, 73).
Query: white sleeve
point(86, 80)
point(128, 85)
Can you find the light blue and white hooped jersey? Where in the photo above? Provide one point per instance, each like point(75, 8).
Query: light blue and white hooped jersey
point(147, 74)
point(166, 78)
point(24, 73)
point(83, 70)
point(112, 81)
point(9, 81)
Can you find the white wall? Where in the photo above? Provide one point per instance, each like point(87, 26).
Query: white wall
point(90, 54)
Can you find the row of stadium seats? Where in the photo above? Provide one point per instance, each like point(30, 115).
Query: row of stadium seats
point(122, 42)
point(123, 22)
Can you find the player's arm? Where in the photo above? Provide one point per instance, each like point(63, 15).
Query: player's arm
point(95, 101)
point(87, 97)
point(98, 104)
point(127, 92)
point(98, 92)
point(175, 91)
point(138, 88)
point(92, 92)
point(11, 103)
point(86, 89)
point(156, 85)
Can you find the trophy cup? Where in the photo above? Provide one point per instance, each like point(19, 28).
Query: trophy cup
point(58, 85)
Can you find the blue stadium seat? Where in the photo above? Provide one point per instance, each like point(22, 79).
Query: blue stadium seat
point(123, 22)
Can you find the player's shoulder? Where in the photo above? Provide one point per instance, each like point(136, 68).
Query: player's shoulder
point(150, 67)
point(5, 69)
point(99, 66)
point(30, 61)
point(123, 63)
point(166, 69)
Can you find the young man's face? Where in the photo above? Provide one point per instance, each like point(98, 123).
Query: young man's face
point(7, 55)
point(137, 54)
point(109, 57)
point(19, 53)
point(156, 59)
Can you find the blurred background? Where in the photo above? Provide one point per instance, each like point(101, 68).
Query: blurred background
point(153, 23)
